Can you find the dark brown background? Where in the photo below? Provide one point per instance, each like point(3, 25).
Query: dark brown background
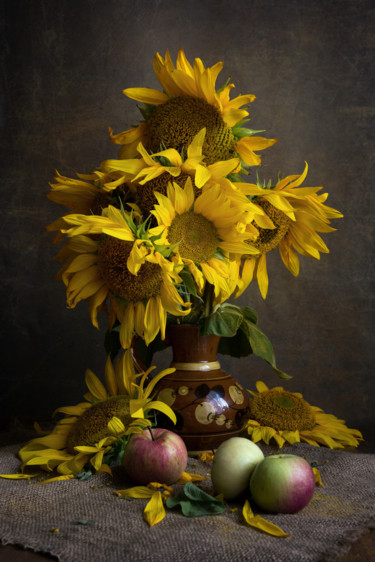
point(310, 64)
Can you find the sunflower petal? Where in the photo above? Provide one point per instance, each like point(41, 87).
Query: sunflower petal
point(154, 511)
point(258, 522)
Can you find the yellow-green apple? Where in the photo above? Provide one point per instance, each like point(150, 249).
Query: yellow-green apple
point(282, 483)
point(155, 455)
point(233, 463)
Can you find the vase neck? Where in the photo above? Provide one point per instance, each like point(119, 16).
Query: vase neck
point(189, 346)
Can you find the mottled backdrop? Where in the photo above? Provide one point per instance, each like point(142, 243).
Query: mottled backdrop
point(310, 64)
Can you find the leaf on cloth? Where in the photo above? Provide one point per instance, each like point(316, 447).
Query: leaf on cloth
point(137, 492)
point(154, 511)
point(17, 476)
point(258, 522)
point(194, 502)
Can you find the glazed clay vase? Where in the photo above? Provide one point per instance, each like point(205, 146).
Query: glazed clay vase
point(209, 403)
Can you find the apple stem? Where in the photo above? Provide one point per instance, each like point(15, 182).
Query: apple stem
point(152, 435)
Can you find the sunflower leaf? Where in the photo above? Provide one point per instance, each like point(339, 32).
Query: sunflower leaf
point(224, 321)
point(188, 280)
point(262, 346)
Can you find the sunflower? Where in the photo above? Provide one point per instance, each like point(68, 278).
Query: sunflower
point(203, 232)
point(294, 215)
point(94, 431)
point(286, 417)
point(188, 103)
point(152, 172)
point(125, 266)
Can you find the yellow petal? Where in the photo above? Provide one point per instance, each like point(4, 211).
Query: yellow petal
point(17, 476)
point(138, 492)
point(110, 377)
point(190, 477)
point(164, 408)
point(146, 95)
point(261, 386)
point(154, 511)
point(116, 426)
point(258, 522)
point(55, 479)
point(318, 480)
point(94, 385)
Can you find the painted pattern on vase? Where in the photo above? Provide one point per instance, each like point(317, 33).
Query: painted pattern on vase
point(209, 403)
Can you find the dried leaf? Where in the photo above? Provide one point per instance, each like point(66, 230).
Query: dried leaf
point(258, 522)
point(154, 511)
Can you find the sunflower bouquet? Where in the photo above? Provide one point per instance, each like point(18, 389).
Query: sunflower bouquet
point(170, 230)
point(168, 233)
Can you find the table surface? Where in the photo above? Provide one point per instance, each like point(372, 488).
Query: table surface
point(362, 549)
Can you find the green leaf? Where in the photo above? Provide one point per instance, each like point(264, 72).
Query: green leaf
point(249, 314)
point(236, 346)
point(224, 322)
point(262, 346)
point(194, 502)
point(189, 283)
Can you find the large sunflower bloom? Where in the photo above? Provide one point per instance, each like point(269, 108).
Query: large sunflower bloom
point(140, 281)
point(203, 231)
point(89, 431)
point(188, 103)
point(286, 417)
point(295, 216)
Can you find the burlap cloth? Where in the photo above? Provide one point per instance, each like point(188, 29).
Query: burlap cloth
point(80, 521)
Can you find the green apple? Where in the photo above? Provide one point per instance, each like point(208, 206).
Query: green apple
point(232, 466)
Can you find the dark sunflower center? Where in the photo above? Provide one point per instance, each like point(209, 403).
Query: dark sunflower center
point(268, 239)
point(92, 425)
point(281, 410)
point(176, 122)
point(113, 256)
point(145, 193)
point(196, 236)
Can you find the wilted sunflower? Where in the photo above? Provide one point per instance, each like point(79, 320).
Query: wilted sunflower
point(94, 430)
point(139, 280)
point(87, 194)
point(295, 216)
point(203, 232)
point(286, 417)
point(189, 102)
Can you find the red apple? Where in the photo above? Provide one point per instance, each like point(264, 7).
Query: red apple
point(282, 483)
point(156, 455)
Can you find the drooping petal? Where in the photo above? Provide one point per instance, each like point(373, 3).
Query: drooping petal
point(154, 511)
point(258, 522)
